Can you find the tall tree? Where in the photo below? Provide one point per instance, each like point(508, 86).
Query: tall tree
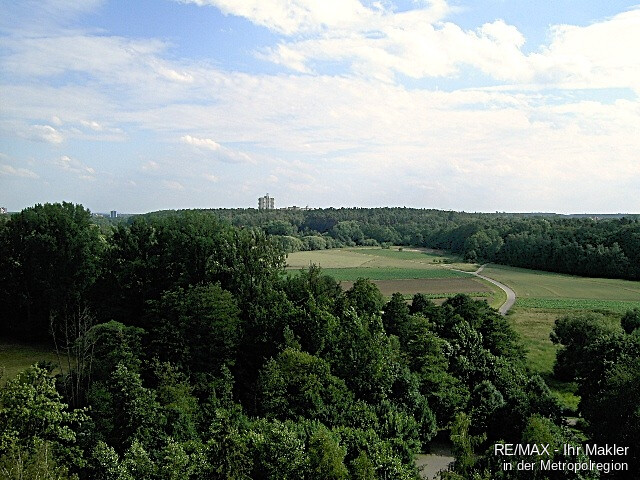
point(50, 256)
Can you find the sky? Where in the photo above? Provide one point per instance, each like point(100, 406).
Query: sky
point(467, 105)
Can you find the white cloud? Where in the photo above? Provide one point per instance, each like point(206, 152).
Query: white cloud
point(206, 143)
point(34, 17)
point(173, 185)
point(595, 56)
point(16, 172)
point(150, 166)
point(292, 17)
point(107, 60)
point(76, 167)
point(93, 125)
point(380, 42)
point(46, 133)
point(222, 153)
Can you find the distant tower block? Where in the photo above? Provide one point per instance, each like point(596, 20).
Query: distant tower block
point(114, 214)
point(266, 203)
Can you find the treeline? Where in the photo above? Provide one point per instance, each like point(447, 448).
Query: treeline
point(603, 357)
point(577, 245)
point(187, 353)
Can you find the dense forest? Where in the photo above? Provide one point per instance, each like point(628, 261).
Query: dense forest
point(187, 352)
point(608, 247)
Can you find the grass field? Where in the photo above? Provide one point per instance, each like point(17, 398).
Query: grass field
point(620, 306)
point(542, 297)
point(374, 257)
point(536, 284)
point(15, 357)
point(421, 255)
point(406, 270)
point(391, 273)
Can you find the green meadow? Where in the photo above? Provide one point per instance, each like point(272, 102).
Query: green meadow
point(375, 257)
point(542, 297)
point(534, 284)
point(398, 269)
point(17, 356)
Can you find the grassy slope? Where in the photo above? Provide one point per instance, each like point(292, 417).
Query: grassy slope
point(370, 257)
point(15, 357)
point(532, 284)
point(542, 297)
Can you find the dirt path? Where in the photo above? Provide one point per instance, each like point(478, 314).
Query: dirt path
point(511, 295)
point(431, 464)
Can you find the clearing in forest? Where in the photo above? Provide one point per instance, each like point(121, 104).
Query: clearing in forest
point(17, 356)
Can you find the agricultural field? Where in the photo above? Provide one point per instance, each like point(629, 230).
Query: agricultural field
point(392, 273)
point(404, 270)
point(533, 284)
point(434, 288)
point(373, 257)
point(542, 297)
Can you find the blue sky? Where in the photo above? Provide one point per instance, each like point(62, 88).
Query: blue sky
point(491, 105)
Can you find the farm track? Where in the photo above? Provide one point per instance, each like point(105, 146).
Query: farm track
point(511, 295)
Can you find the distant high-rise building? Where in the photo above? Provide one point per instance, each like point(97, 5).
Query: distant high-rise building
point(266, 203)
point(3, 210)
point(114, 214)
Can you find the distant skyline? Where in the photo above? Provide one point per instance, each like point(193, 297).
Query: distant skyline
point(491, 105)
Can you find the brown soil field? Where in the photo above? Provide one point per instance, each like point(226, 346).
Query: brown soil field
point(411, 286)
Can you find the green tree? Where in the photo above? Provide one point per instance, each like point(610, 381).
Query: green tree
point(18, 463)
point(577, 333)
point(314, 242)
point(464, 446)
point(179, 405)
point(631, 320)
point(365, 297)
point(395, 317)
point(347, 232)
point(486, 400)
point(364, 357)
point(124, 410)
point(197, 328)
point(326, 456)
point(228, 446)
point(50, 258)
point(113, 343)
point(278, 450)
point(297, 385)
point(36, 426)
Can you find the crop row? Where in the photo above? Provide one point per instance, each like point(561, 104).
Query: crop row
point(577, 304)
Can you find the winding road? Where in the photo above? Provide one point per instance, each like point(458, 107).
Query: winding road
point(511, 295)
